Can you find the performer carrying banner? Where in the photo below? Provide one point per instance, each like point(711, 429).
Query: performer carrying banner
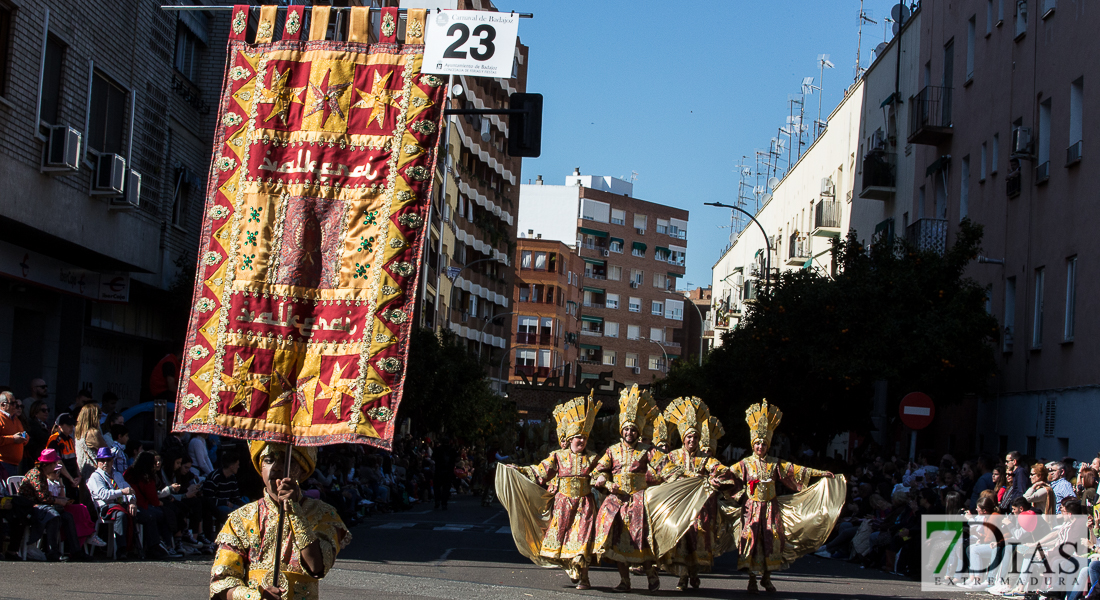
point(312, 535)
point(766, 536)
point(695, 550)
point(621, 529)
point(567, 541)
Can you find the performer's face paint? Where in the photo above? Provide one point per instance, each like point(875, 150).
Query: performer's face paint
point(630, 434)
point(691, 442)
point(760, 448)
point(577, 444)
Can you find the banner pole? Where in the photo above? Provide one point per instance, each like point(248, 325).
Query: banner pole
point(337, 9)
point(282, 517)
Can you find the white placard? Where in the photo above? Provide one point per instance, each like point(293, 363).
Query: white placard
point(470, 42)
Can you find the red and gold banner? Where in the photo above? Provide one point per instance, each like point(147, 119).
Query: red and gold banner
point(312, 233)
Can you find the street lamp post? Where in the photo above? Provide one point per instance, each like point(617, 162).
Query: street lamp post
point(487, 323)
point(451, 296)
point(701, 326)
point(768, 258)
point(665, 354)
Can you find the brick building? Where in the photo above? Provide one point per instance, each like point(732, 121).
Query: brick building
point(546, 301)
point(634, 251)
point(695, 323)
point(88, 264)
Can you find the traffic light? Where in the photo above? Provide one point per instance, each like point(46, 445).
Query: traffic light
point(525, 128)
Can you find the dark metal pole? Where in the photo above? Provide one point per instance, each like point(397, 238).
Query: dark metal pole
point(767, 242)
point(282, 517)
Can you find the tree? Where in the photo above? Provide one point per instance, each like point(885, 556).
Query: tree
point(816, 345)
point(447, 391)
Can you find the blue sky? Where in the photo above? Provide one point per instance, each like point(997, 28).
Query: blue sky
point(679, 92)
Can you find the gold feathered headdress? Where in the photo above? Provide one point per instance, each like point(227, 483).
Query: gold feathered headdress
point(712, 432)
point(636, 407)
point(657, 431)
point(576, 417)
point(763, 421)
point(688, 414)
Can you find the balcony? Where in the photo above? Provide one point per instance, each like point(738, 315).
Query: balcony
point(880, 175)
point(827, 216)
point(930, 116)
point(592, 332)
point(533, 371)
point(1073, 154)
point(1013, 184)
point(543, 339)
point(799, 253)
point(928, 235)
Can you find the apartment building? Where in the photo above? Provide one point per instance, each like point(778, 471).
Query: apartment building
point(809, 208)
point(468, 282)
point(634, 252)
point(107, 112)
point(694, 337)
point(998, 110)
point(546, 300)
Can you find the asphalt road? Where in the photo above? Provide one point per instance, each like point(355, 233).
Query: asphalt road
point(466, 552)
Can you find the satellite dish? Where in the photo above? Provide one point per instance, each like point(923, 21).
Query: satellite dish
point(879, 48)
point(899, 13)
point(456, 89)
point(774, 181)
point(766, 198)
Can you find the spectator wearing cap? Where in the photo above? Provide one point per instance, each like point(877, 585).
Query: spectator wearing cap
point(61, 440)
point(1056, 476)
point(49, 510)
point(115, 504)
point(12, 434)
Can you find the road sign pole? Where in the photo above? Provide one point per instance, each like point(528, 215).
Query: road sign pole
point(913, 445)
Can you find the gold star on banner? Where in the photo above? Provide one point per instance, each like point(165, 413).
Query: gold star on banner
point(326, 98)
point(281, 96)
point(336, 388)
point(378, 99)
point(243, 382)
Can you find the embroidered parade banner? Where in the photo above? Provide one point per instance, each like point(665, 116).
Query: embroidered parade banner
point(312, 232)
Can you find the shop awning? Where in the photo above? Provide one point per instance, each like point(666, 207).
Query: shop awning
point(639, 246)
point(662, 249)
point(595, 232)
point(590, 346)
point(589, 376)
point(671, 274)
point(592, 319)
point(594, 290)
point(615, 239)
point(595, 261)
point(938, 164)
point(889, 100)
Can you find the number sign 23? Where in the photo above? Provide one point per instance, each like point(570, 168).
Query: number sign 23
point(470, 42)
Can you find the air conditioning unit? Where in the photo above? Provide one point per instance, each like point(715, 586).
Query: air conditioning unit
point(635, 284)
point(131, 197)
point(1021, 140)
point(640, 230)
point(109, 177)
point(62, 154)
point(605, 253)
point(740, 280)
point(637, 370)
point(827, 188)
point(878, 140)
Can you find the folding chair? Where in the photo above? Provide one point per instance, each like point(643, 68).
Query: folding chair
point(12, 485)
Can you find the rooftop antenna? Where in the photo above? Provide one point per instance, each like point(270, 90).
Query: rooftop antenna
point(864, 16)
point(824, 63)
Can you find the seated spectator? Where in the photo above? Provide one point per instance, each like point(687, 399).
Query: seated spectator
point(182, 498)
point(12, 434)
point(1039, 494)
point(196, 449)
point(150, 512)
point(109, 422)
point(50, 510)
point(83, 516)
point(115, 504)
point(17, 516)
point(220, 492)
point(1056, 477)
point(133, 449)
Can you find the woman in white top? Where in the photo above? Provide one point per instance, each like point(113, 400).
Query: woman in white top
point(1039, 494)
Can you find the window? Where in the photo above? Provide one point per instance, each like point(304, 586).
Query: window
point(50, 84)
point(995, 154)
point(1037, 315)
point(540, 261)
point(552, 266)
point(655, 363)
point(610, 329)
point(1000, 12)
point(612, 301)
point(1071, 298)
point(640, 223)
point(678, 256)
point(920, 202)
point(988, 17)
point(616, 245)
point(525, 294)
point(981, 167)
point(657, 308)
point(473, 305)
point(637, 276)
point(544, 358)
point(656, 334)
point(5, 43)
point(618, 217)
point(525, 260)
point(609, 357)
point(1076, 107)
point(660, 280)
point(1043, 151)
point(633, 332)
point(970, 33)
point(635, 304)
point(674, 309)
point(948, 79)
point(637, 250)
point(107, 116)
point(188, 53)
point(525, 358)
point(1048, 7)
point(964, 188)
point(1021, 18)
point(661, 254)
point(1010, 313)
point(631, 359)
point(615, 273)
point(662, 225)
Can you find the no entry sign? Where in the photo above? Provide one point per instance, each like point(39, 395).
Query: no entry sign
point(917, 410)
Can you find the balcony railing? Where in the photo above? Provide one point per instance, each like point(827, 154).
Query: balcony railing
point(544, 339)
point(930, 116)
point(669, 344)
point(1073, 153)
point(593, 304)
point(827, 216)
point(879, 175)
point(532, 371)
point(928, 235)
point(799, 251)
point(598, 332)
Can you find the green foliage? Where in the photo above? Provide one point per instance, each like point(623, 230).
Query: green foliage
point(815, 345)
point(447, 391)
